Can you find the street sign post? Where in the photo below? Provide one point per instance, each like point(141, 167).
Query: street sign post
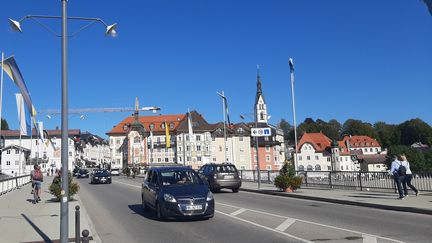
point(261, 132)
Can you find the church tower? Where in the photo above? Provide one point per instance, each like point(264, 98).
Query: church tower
point(260, 105)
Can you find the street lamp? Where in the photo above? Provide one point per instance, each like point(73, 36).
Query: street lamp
point(111, 31)
point(222, 95)
point(291, 64)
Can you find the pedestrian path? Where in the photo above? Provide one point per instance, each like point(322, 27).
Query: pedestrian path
point(383, 200)
point(23, 221)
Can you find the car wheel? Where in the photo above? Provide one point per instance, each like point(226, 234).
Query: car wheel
point(144, 206)
point(159, 213)
point(235, 189)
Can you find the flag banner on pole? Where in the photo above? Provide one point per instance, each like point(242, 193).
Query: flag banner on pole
point(151, 139)
point(190, 126)
point(23, 116)
point(40, 132)
point(226, 110)
point(11, 69)
point(429, 5)
point(167, 136)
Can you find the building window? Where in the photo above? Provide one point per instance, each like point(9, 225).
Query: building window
point(37, 142)
point(347, 167)
point(137, 139)
point(159, 160)
point(328, 167)
point(198, 147)
point(187, 148)
point(198, 138)
point(214, 159)
point(16, 162)
point(220, 148)
point(317, 167)
point(7, 162)
point(8, 151)
point(301, 168)
point(199, 158)
point(341, 167)
point(180, 159)
point(308, 157)
point(300, 158)
point(166, 160)
point(266, 138)
point(240, 138)
point(268, 167)
point(275, 159)
point(267, 158)
point(171, 125)
point(117, 141)
point(162, 125)
point(316, 157)
point(213, 139)
point(16, 151)
point(267, 148)
point(309, 168)
point(371, 150)
point(188, 158)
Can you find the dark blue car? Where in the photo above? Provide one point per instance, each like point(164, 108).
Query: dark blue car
point(176, 192)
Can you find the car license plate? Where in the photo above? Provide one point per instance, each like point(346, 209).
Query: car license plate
point(229, 177)
point(193, 207)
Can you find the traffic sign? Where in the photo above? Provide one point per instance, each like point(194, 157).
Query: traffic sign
point(261, 132)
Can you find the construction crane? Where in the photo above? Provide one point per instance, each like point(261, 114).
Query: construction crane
point(50, 112)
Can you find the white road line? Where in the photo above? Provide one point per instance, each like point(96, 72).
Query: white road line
point(264, 227)
point(286, 224)
point(369, 239)
point(126, 184)
point(241, 210)
point(309, 222)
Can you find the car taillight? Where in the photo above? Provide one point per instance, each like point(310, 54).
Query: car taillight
point(215, 176)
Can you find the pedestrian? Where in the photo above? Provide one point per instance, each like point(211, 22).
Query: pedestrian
point(31, 178)
point(52, 171)
point(37, 179)
point(408, 176)
point(397, 177)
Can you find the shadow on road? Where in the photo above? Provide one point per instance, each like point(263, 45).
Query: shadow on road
point(151, 214)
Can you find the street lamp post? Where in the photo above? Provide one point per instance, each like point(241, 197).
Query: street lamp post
point(111, 30)
point(222, 95)
point(291, 64)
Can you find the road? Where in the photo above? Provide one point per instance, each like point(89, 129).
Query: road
point(115, 210)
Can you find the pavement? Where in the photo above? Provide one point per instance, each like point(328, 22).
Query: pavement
point(23, 221)
point(382, 200)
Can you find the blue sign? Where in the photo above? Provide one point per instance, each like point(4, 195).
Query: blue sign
point(261, 132)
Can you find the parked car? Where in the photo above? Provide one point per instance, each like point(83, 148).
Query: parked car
point(100, 176)
point(220, 176)
point(75, 171)
point(82, 173)
point(115, 172)
point(176, 192)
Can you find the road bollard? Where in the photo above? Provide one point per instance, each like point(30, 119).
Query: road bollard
point(85, 238)
point(77, 224)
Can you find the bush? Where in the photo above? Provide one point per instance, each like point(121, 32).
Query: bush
point(296, 182)
point(282, 182)
point(55, 187)
point(287, 178)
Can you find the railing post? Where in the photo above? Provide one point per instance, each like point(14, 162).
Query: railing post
point(241, 175)
point(306, 177)
point(77, 224)
point(360, 181)
point(253, 175)
point(330, 180)
point(268, 177)
point(85, 238)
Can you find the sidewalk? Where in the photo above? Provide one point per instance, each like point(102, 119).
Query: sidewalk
point(23, 221)
point(382, 200)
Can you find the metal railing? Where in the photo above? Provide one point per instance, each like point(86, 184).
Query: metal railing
point(353, 180)
point(10, 183)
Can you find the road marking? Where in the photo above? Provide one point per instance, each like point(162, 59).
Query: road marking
point(286, 224)
point(264, 227)
point(314, 223)
point(369, 239)
point(241, 210)
point(126, 184)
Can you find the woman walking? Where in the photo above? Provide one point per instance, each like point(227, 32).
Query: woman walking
point(408, 176)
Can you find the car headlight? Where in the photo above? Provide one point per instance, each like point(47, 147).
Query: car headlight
point(96, 177)
point(109, 177)
point(210, 196)
point(169, 198)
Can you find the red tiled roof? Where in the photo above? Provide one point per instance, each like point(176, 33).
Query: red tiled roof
point(147, 120)
point(361, 141)
point(318, 140)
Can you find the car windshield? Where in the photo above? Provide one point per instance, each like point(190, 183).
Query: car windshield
point(101, 173)
point(179, 177)
point(226, 169)
point(83, 171)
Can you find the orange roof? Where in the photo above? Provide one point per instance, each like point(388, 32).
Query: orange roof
point(318, 140)
point(361, 141)
point(147, 120)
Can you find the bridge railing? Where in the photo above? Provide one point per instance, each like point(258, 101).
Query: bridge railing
point(343, 179)
point(10, 183)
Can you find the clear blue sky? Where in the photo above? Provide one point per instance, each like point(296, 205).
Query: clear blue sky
point(369, 60)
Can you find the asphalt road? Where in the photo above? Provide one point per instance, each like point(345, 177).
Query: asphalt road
point(115, 210)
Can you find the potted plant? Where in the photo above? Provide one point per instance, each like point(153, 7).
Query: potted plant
point(287, 180)
point(55, 187)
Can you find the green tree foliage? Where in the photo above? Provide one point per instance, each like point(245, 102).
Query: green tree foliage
point(286, 127)
point(415, 130)
point(4, 124)
point(419, 162)
point(387, 134)
point(331, 129)
point(358, 128)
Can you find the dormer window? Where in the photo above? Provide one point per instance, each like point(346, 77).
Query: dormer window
point(171, 125)
point(162, 125)
point(152, 126)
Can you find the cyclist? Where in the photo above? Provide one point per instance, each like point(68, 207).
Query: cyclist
point(37, 179)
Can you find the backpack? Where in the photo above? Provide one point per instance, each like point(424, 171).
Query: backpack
point(37, 175)
point(401, 170)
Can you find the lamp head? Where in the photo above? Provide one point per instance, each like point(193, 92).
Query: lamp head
point(15, 25)
point(291, 63)
point(111, 30)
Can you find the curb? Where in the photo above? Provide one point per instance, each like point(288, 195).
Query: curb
point(345, 202)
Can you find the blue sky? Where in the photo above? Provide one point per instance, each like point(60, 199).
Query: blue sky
point(369, 60)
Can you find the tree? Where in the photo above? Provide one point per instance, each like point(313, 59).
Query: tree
point(418, 162)
point(286, 127)
point(4, 124)
point(415, 130)
point(388, 135)
point(333, 129)
point(358, 128)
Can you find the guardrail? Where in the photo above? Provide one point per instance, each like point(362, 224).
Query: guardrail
point(353, 180)
point(10, 183)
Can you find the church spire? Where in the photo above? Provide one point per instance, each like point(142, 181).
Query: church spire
point(259, 89)
point(260, 105)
